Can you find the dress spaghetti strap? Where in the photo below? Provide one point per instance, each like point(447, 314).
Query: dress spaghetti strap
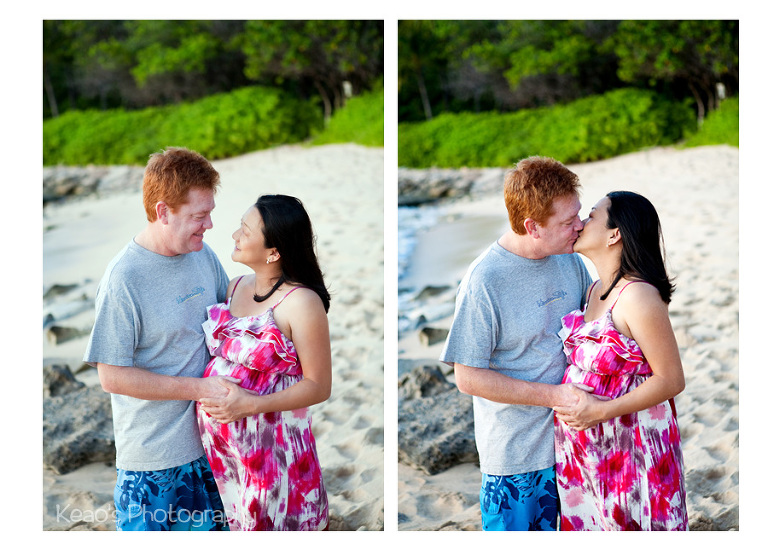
point(286, 295)
point(589, 292)
point(622, 290)
point(235, 288)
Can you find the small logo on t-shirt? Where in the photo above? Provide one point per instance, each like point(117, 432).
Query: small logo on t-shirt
point(558, 295)
point(197, 291)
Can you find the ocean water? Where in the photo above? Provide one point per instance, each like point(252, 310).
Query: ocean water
point(435, 247)
point(410, 221)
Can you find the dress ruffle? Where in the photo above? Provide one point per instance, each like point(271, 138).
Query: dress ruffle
point(618, 354)
point(253, 342)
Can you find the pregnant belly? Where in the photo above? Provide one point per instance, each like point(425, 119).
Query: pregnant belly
point(261, 382)
point(607, 385)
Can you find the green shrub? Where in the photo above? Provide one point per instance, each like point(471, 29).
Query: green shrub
point(588, 129)
point(217, 126)
point(719, 127)
point(360, 121)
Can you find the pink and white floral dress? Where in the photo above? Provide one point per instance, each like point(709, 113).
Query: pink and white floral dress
point(625, 473)
point(265, 466)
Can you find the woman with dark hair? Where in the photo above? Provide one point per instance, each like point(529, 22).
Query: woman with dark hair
point(272, 333)
point(619, 461)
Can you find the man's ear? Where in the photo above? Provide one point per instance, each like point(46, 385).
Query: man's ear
point(161, 210)
point(531, 227)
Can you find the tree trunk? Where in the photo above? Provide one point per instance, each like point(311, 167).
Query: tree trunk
point(423, 93)
point(338, 97)
point(50, 96)
point(700, 104)
point(327, 105)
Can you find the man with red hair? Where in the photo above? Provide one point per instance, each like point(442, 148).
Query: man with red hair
point(148, 345)
point(504, 345)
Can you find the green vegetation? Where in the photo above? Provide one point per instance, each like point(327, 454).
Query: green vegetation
point(218, 126)
point(116, 91)
point(720, 127)
point(361, 121)
point(584, 130)
point(470, 93)
point(488, 93)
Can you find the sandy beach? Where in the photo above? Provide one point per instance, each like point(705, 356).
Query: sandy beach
point(696, 192)
point(341, 187)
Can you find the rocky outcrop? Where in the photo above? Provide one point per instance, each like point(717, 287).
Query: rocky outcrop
point(417, 186)
point(58, 380)
point(64, 182)
point(77, 422)
point(436, 427)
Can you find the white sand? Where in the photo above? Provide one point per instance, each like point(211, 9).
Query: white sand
point(696, 193)
point(341, 187)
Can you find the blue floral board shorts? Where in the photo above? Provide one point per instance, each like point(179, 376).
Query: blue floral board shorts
point(520, 502)
point(184, 498)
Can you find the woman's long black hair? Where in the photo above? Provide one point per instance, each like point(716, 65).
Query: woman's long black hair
point(287, 228)
point(642, 255)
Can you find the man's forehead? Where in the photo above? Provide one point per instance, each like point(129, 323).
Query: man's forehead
point(567, 206)
point(199, 200)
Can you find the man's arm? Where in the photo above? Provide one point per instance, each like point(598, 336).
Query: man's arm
point(142, 384)
point(500, 388)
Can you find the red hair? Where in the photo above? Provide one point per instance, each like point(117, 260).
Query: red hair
point(170, 174)
point(532, 186)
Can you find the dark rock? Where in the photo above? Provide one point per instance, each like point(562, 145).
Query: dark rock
point(420, 315)
point(77, 422)
point(58, 334)
point(416, 187)
point(48, 319)
point(66, 182)
point(436, 428)
point(58, 290)
point(432, 335)
point(59, 380)
point(435, 433)
point(430, 291)
point(424, 380)
point(421, 186)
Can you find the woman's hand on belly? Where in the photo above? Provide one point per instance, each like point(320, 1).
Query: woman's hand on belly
point(586, 411)
point(236, 404)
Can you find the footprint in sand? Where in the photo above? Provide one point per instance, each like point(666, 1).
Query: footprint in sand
point(374, 436)
point(348, 451)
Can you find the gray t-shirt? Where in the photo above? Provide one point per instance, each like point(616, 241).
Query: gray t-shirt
point(149, 314)
point(508, 314)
